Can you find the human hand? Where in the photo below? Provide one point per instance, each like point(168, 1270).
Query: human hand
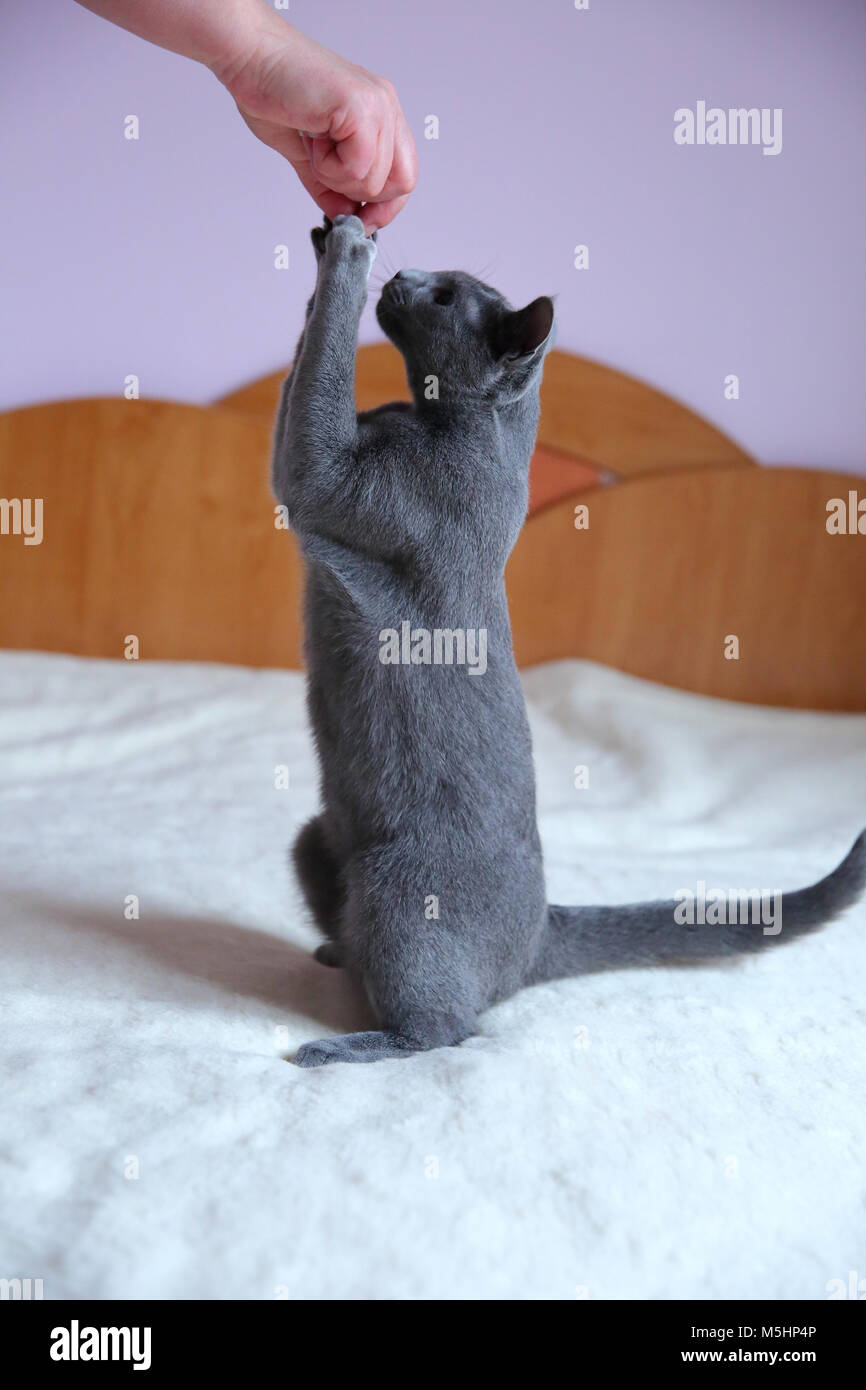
point(339, 126)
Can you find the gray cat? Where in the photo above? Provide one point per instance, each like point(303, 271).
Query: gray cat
point(424, 868)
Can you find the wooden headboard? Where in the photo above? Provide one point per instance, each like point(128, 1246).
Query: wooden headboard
point(158, 523)
point(597, 424)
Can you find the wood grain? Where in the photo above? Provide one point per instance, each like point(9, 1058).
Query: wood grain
point(553, 474)
point(601, 417)
point(158, 523)
point(671, 566)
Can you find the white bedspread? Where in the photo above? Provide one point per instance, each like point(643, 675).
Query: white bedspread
point(662, 1133)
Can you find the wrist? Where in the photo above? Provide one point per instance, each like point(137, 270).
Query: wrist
point(276, 73)
point(247, 33)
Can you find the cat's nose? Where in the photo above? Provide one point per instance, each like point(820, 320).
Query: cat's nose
point(411, 277)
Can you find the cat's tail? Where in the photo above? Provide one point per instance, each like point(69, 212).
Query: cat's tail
point(695, 927)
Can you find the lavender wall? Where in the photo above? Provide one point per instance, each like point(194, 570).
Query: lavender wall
point(556, 128)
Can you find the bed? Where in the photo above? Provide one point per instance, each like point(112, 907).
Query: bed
point(662, 1133)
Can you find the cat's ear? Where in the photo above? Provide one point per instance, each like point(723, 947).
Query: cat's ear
point(522, 332)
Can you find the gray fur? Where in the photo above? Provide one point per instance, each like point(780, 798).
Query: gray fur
point(409, 513)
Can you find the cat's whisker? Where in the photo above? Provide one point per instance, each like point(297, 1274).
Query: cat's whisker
point(485, 273)
point(387, 258)
point(385, 264)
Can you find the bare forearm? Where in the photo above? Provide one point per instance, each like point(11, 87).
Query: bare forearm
point(214, 32)
point(338, 125)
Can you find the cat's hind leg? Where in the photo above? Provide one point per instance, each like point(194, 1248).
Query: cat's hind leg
point(423, 983)
point(379, 1047)
point(352, 1047)
point(329, 954)
point(319, 874)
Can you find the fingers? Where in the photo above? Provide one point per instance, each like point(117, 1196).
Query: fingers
point(404, 170)
point(377, 215)
point(339, 126)
point(331, 203)
point(402, 177)
point(399, 184)
point(357, 157)
point(370, 156)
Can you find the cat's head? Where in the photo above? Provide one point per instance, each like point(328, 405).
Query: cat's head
point(450, 326)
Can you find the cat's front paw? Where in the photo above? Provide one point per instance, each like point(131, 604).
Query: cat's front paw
point(343, 242)
point(319, 235)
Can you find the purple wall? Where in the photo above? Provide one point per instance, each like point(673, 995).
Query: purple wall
point(556, 128)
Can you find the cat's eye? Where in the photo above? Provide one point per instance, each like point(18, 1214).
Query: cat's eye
point(443, 297)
